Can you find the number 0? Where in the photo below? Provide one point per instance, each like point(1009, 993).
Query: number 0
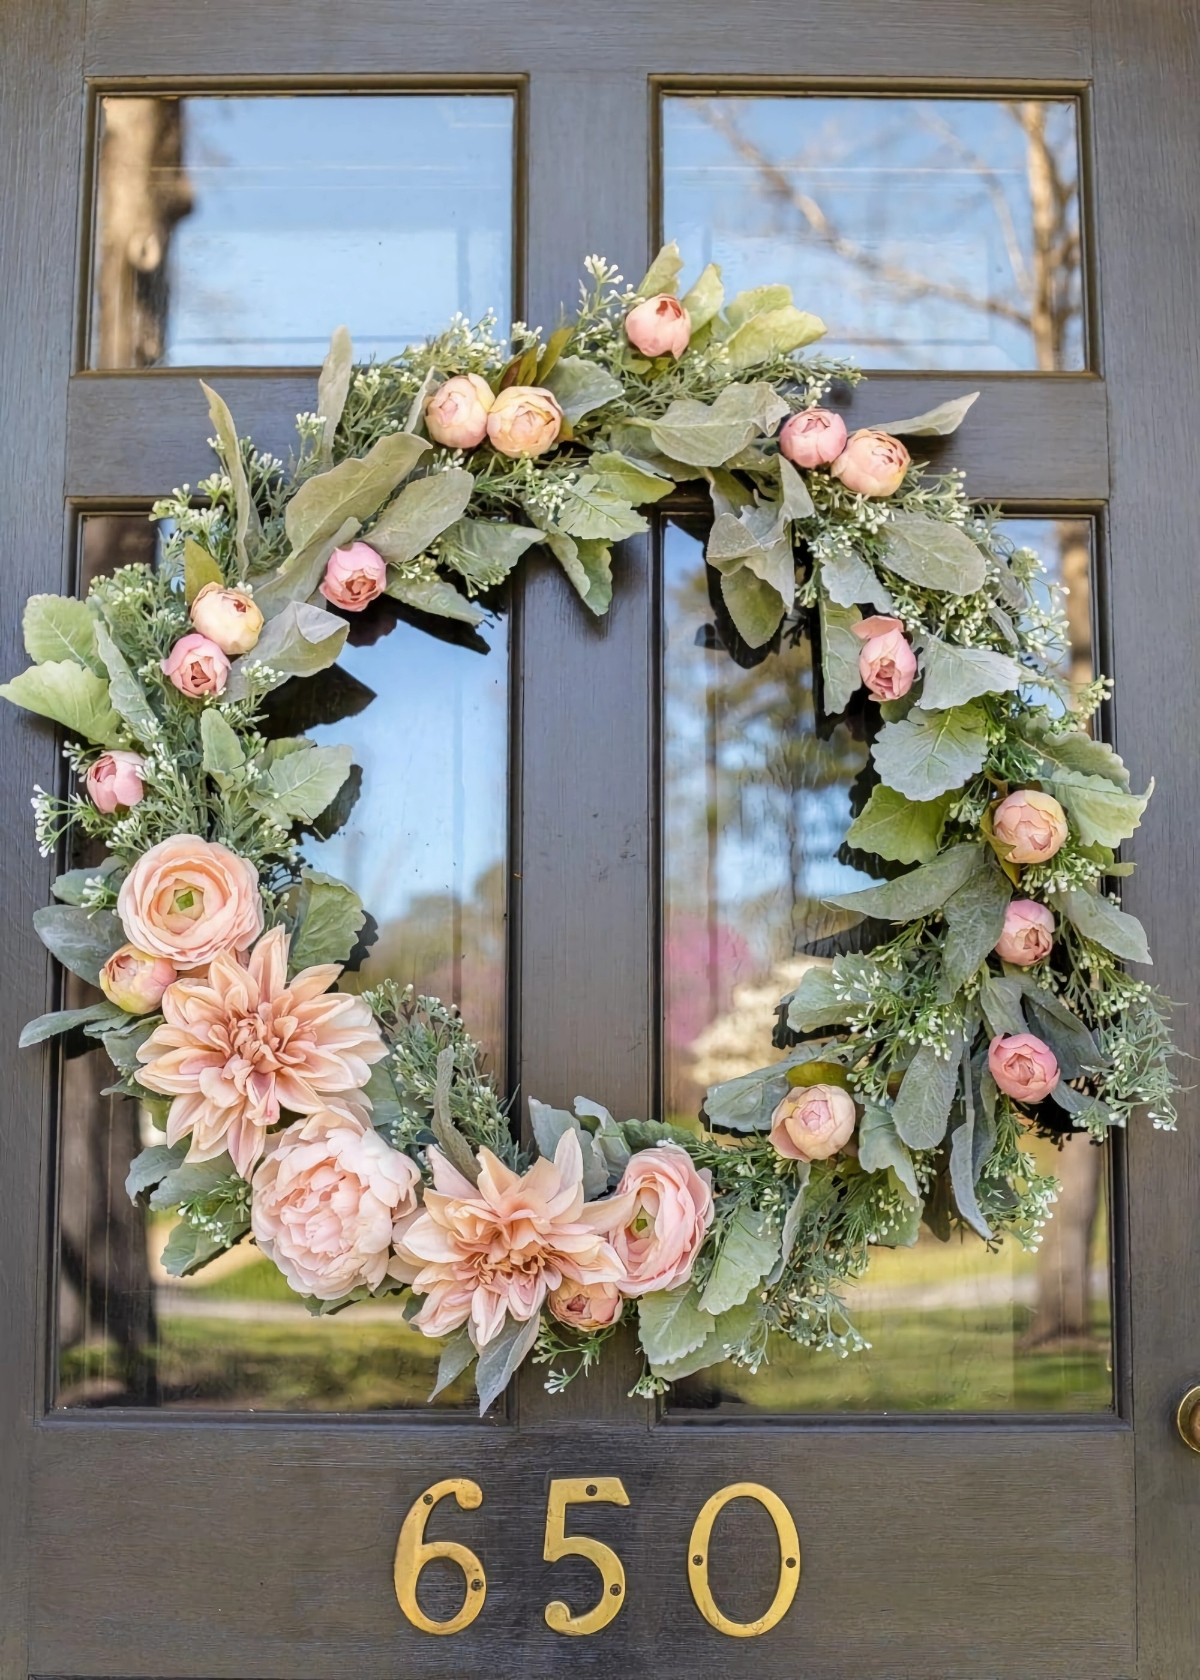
point(413, 1552)
point(789, 1560)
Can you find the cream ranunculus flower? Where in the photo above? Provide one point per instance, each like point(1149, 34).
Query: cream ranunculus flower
point(227, 617)
point(524, 420)
point(187, 898)
point(240, 1046)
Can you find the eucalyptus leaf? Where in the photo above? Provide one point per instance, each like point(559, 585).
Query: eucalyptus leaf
point(1103, 814)
point(947, 417)
point(919, 893)
point(840, 649)
point(68, 694)
point(706, 435)
point(298, 642)
point(422, 511)
point(354, 489)
point(124, 690)
point(247, 530)
point(434, 595)
point(899, 829)
point(1099, 919)
point(329, 915)
point(703, 302)
point(588, 510)
point(58, 627)
point(62, 1020)
point(457, 1353)
point(921, 1110)
point(880, 1147)
point(498, 1361)
point(152, 1166)
point(755, 607)
point(848, 580)
point(624, 479)
point(199, 570)
point(588, 564)
point(749, 1248)
point(933, 554)
point(954, 674)
point(333, 387)
point(776, 332)
point(663, 273)
point(672, 1323)
point(580, 386)
point(974, 921)
point(223, 754)
point(815, 1003)
point(927, 754)
point(82, 940)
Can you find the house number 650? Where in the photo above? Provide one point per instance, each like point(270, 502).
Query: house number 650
point(413, 1552)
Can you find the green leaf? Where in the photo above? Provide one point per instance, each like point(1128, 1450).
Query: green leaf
point(922, 1107)
point(671, 1323)
point(450, 1140)
point(879, 1147)
point(663, 273)
point(58, 627)
point(152, 1166)
point(899, 829)
point(381, 1092)
point(579, 386)
point(954, 675)
point(188, 1249)
point(774, 333)
point(302, 571)
point(298, 642)
point(1000, 1000)
point(703, 302)
point(1099, 919)
point(947, 417)
point(189, 1180)
point(333, 387)
point(82, 940)
point(422, 511)
point(919, 893)
point(247, 533)
point(124, 689)
point(631, 438)
point(354, 489)
point(457, 1353)
point(840, 649)
point(62, 1020)
point(1075, 1050)
point(758, 300)
point(70, 886)
point(64, 692)
point(791, 1223)
point(703, 435)
point(849, 580)
point(1102, 813)
point(815, 1002)
point(933, 554)
point(329, 915)
point(434, 595)
point(962, 1164)
point(199, 570)
point(485, 550)
point(588, 564)
point(927, 754)
point(754, 606)
point(301, 784)
point(749, 1248)
point(727, 1331)
point(1085, 1111)
point(1077, 751)
point(745, 1104)
point(125, 1039)
point(974, 921)
point(624, 479)
point(223, 753)
point(499, 1360)
point(590, 511)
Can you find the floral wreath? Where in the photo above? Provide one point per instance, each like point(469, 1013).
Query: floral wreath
point(354, 1138)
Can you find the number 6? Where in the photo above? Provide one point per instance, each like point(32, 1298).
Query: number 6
point(578, 1490)
point(413, 1552)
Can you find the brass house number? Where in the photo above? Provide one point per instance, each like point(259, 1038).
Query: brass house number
point(413, 1552)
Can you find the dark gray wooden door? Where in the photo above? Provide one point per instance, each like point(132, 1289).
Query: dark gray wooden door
point(1032, 1548)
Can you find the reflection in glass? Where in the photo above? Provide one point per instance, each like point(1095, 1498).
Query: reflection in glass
point(425, 847)
point(926, 233)
point(242, 230)
point(756, 803)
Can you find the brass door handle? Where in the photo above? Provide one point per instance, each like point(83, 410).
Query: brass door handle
point(1187, 1419)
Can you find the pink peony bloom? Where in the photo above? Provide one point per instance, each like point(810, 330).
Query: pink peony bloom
point(115, 780)
point(1028, 933)
point(1023, 1067)
point(456, 414)
point(243, 1044)
point(887, 663)
point(659, 326)
point(197, 666)
point(524, 420)
point(135, 981)
point(325, 1201)
point(813, 1122)
point(187, 898)
point(480, 1251)
point(872, 464)
point(353, 577)
point(813, 438)
point(1031, 826)
point(227, 617)
point(671, 1209)
point(586, 1306)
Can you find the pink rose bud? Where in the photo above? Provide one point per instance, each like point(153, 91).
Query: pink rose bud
point(813, 438)
point(197, 666)
point(353, 577)
point(586, 1306)
point(227, 617)
point(456, 414)
point(1031, 826)
point(1028, 933)
point(813, 1122)
point(872, 464)
point(115, 780)
point(659, 326)
point(1023, 1067)
point(135, 980)
point(887, 663)
point(524, 420)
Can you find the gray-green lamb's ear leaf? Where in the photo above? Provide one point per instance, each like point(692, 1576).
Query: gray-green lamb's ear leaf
point(954, 675)
point(663, 273)
point(421, 512)
point(153, 1165)
point(588, 564)
point(755, 607)
point(796, 502)
point(1076, 751)
point(66, 693)
point(328, 917)
point(974, 921)
point(1000, 1000)
point(879, 1147)
point(1097, 918)
point(484, 551)
point(849, 580)
point(302, 571)
point(82, 940)
point(1103, 814)
point(1074, 1047)
point(223, 754)
point(899, 829)
point(70, 887)
point(354, 489)
point(815, 1002)
point(549, 1124)
point(579, 386)
point(745, 1104)
point(727, 1331)
point(703, 302)
point(589, 511)
point(623, 478)
point(457, 1353)
point(247, 531)
point(963, 1154)
point(921, 1111)
point(333, 387)
point(124, 690)
point(791, 1223)
point(300, 785)
point(671, 1323)
point(749, 1248)
point(62, 1020)
point(434, 595)
point(188, 1249)
point(298, 642)
point(927, 754)
point(450, 1140)
point(499, 1360)
point(933, 554)
point(840, 649)
point(706, 435)
point(947, 417)
point(757, 300)
point(60, 627)
point(774, 333)
point(919, 893)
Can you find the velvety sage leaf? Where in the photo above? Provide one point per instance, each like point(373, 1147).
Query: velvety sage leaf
point(589, 567)
point(450, 1140)
point(62, 1020)
point(727, 1332)
point(815, 1002)
point(223, 754)
point(1099, 919)
point(840, 649)
point(301, 784)
point(499, 1360)
point(848, 580)
point(484, 551)
point(671, 1323)
point(580, 386)
point(1102, 813)
point(333, 387)
point(298, 642)
point(549, 1124)
point(191, 1179)
point(58, 627)
point(632, 439)
point(1077, 751)
point(124, 690)
point(974, 921)
point(706, 435)
point(962, 1172)
point(71, 886)
point(457, 1353)
point(82, 940)
point(66, 693)
point(152, 1166)
point(795, 501)
point(329, 915)
point(899, 829)
point(1000, 1000)
point(247, 530)
point(188, 1249)
point(354, 489)
point(663, 273)
point(1087, 1112)
point(791, 1223)
point(921, 1110)
point(919, 893)
point(703, 302)
point(125, 1039)
point(927, 754)
point(749, 1248)
point(624, 479)
point(880, 1147)
point(947, 417)
point(381, 1092)
point(590, 511)
point(933, 554)
point(1075, 1050)
point(199, 570)
point(434, 595)
point(302, 571)
point(755, 607)
point(773, 333)
point(757, 300)
point(422, 511)
point(954, 675)
point(745, 1104)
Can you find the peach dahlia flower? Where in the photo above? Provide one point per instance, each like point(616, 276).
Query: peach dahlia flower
point(242, 1044)
point(479, 1251)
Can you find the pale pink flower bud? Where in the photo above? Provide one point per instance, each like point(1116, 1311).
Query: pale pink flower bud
point(814, 438)
point(887, 663)
point(671, 1211)
point(1023, 1067)
point(353, 577)
point(659, 326)
point(1030, 826)
point(115, 780)
point(135, 980)
point(872, 464)
point(524, 420)
point(197, 666)
point(1028, 933)
point(586, 1306)
point(456, 414)
point(227, 617)
point(813, 1122)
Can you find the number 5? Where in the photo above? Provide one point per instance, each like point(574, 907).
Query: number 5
point(413, 1552)
point(580, 1490)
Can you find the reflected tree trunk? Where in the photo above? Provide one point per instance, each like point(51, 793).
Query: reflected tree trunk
point(1064, 1304)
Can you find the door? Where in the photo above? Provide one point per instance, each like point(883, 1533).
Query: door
point(190, 1488)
